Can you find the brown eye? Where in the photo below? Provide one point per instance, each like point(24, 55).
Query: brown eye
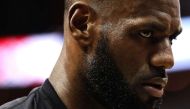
point(145, 34)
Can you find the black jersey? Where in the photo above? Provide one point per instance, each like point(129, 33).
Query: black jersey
point(43, 97)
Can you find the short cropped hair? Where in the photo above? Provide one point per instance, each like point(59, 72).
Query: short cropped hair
point(96, 4)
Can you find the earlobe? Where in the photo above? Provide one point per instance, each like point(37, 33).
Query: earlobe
point(79, 15)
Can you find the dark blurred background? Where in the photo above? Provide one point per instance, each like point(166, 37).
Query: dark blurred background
point(31, 16)
point(42, 16)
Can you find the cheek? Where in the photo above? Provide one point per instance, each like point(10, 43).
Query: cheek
point(129, 57)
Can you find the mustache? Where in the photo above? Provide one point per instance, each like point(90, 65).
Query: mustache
point(156, 72)
point(159, 72)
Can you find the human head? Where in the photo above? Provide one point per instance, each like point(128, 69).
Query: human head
point(118, 50)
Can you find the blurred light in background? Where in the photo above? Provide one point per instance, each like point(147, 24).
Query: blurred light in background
point(181, 48)
point(29, 59)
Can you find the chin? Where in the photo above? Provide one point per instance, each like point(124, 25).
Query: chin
point(151, 102)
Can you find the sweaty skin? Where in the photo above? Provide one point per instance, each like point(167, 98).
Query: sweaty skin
point(115, 53)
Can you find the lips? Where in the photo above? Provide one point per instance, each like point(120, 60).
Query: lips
point(155, 86)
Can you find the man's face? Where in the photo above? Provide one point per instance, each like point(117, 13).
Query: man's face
point(128, 68)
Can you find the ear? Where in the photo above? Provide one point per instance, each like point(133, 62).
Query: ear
point(81, 18)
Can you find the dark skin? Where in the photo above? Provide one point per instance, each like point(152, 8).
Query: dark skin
point(128, 46)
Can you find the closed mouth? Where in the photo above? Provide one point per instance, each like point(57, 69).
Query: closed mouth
point(155, 86)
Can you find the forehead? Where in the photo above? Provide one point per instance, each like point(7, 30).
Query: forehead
point(125, 14)
point(132, 8)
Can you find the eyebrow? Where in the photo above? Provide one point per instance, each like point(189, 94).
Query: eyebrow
point(152, 24)
point(145, 23)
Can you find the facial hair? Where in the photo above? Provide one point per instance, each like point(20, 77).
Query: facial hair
point(106, 83)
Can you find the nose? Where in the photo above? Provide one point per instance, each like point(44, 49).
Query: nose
point(162, 55)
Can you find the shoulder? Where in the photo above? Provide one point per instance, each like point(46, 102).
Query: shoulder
point(13, 104)
point(22, 103)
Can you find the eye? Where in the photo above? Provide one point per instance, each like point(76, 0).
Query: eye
point(145, 34)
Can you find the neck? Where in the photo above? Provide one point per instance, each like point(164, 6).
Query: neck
point(70, 88)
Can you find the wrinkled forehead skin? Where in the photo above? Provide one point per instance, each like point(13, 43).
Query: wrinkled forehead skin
point(166, 12)
point(136, 8)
